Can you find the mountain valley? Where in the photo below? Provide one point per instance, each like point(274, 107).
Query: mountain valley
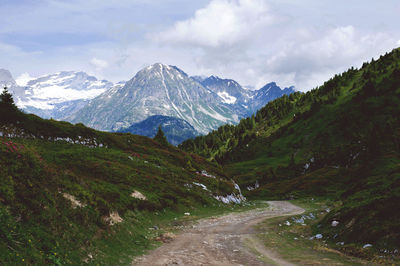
point(320, 144)
point(111, 192)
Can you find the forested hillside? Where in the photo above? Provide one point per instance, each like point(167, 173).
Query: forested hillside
point(67, 192)
point(341, 140)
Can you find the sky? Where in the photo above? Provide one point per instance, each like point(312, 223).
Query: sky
point(292, 42)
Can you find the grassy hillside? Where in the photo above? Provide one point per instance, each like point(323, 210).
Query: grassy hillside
point(341, 140)
point(66, 192)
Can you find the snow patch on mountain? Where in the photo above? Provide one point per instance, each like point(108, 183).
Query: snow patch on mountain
point(226, 98)
point(43, 105)
point(23, 79)
point(157, 90)
point(47, 91)
point(213, 114)
point(55, 95)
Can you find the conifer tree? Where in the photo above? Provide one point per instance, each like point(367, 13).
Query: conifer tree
point(160, 137)
point(8, 109)
point(6, 99)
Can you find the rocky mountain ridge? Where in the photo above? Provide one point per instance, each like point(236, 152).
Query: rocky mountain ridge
point(204, 102)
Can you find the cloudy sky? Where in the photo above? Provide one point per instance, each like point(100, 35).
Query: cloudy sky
point(292, 42)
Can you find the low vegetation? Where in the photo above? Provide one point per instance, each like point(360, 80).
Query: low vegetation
point(69, 194)
point(300, 240)
point(340, 141)
point(73, 195)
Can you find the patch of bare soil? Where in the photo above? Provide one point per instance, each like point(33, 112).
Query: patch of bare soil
point(225, 240)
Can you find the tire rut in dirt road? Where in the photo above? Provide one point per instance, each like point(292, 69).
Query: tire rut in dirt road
point(224, 240)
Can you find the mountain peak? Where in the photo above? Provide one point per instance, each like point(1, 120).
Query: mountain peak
point(155, 66)
point(212, 80)
point(158, 70)
point(271, 84)
point(158, 89)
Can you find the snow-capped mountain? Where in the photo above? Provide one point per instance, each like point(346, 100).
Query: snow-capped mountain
point(56, 95)
point(204, 103)
point(230, 92)
point(59, 94)
point(244, 101)
point(157, 90)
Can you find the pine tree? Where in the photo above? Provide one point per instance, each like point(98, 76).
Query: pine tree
point(160, 137)
point(6, 99)
point(8, 109)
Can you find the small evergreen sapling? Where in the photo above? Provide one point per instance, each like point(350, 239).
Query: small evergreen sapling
point(160, 137)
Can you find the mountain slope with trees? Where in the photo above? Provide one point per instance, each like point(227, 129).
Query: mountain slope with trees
point(68, 192)
point(341, 140)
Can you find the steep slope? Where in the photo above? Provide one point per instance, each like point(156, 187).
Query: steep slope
point(157, 90)
point(199, 79)
point(67, 192)
point(176, 130)
point(340, 140)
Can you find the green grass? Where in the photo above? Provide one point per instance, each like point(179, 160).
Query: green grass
point(342, 144)
point(292, 242)
point(39, 225)
point(348, 131)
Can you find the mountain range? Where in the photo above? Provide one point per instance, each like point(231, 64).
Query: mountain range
point(333, 151)
point(55, 95)
point(204, 103)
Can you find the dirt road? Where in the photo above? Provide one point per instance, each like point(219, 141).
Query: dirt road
point(225, 240)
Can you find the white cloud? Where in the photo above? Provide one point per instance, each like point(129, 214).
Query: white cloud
point(99, 64)
point(221, 22)
point(251, 41)
point(313, 60)
point(23, 79)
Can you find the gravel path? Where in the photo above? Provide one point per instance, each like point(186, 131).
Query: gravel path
point(224, 240)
